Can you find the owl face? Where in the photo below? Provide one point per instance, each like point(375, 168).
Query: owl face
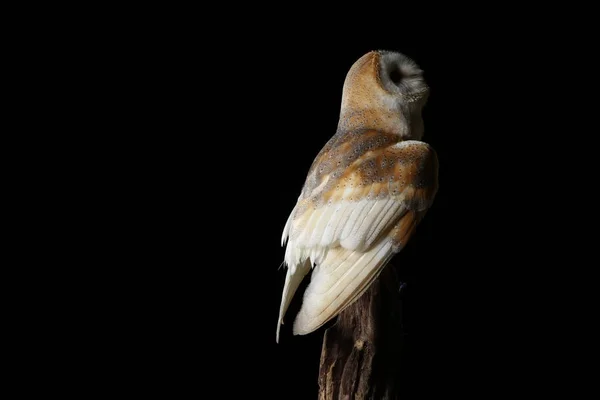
point(402, 78)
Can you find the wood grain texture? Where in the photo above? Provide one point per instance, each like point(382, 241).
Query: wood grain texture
point(362, 352)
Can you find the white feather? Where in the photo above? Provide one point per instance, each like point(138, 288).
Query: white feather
point(353, 241)
point(307, 227)
point(365, 216)
point(371, 219)
point(286, 228)
point(392, 211)
point(292, 281)
point(353, 218)
point(319, 229)
point(337, 282)
point(334, 222)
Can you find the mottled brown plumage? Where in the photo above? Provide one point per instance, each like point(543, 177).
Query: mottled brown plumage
point(365, 193)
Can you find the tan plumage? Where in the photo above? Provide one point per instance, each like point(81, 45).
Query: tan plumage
point(365, 192)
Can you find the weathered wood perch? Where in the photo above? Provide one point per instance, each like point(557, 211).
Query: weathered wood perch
point(360, 358)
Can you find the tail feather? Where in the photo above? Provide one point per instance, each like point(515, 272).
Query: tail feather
point(292, 282)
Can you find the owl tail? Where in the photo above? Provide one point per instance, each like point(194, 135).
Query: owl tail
point(292, 281)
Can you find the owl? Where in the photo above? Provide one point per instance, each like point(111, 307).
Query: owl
point(365, 192)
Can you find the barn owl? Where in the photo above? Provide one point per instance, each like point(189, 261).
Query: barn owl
point(365, 192)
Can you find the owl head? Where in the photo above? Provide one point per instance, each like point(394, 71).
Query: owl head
point(385, 89)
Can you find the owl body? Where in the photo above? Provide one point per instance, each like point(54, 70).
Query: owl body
point(365, 192)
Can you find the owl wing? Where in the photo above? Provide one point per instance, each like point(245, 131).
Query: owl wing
point(350, 224)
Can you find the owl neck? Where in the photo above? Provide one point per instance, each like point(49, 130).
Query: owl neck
point(407, 124)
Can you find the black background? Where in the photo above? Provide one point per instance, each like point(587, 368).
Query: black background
point(226, 123)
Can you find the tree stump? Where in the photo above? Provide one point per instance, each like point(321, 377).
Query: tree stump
point(361, 354)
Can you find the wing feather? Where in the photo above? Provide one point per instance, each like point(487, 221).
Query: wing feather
point(337, 282)
point(391, 212)
point(292, 282)
point(359, 210)
point(341, 222)
point(319, 231)
point(334, 223)
point(380, 209)
point(351, 223)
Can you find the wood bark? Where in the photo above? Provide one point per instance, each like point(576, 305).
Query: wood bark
point(362, 352)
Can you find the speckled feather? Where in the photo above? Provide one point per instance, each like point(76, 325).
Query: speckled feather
point(364, 194)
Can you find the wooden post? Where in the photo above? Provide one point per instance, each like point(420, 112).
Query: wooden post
point(361, 354)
